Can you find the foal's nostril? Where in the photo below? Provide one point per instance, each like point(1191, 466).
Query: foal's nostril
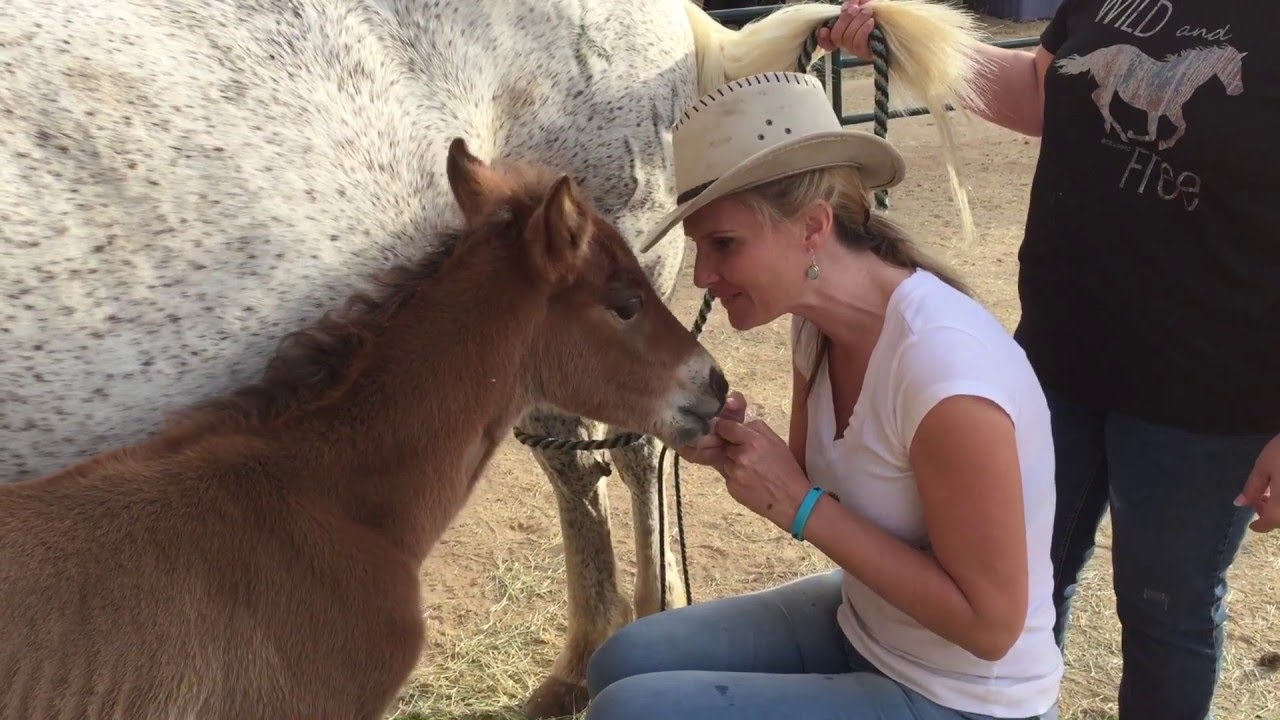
point(719, 385)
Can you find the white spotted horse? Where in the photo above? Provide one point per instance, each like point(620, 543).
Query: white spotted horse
point(185, 182)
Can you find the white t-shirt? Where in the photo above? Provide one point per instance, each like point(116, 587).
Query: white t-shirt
point(936, 342)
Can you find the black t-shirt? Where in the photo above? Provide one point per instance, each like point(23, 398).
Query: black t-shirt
point(1150, 272)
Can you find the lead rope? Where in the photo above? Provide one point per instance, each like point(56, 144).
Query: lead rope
point(879, 63)
point(698, 324)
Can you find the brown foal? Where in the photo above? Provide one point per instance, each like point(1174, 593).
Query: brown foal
point(260, 558)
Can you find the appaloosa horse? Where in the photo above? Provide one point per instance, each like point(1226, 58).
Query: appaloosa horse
point(182, 182)
point(260, 557)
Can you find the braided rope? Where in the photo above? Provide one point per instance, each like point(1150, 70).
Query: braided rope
point(662, 533)
point(811, 47)
point(543, 442)
point(880, 62)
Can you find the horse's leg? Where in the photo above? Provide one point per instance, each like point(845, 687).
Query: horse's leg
point(638, 466)
point(1179, 127)
point(596, 607)
point(1153, 124)
point(1102, 96)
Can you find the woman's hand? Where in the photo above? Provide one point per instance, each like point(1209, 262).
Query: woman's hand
point(852, 30)
point(709, 449)
point(760, 472)
point(1263, 487)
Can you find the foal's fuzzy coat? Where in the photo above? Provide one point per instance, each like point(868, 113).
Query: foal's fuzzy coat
point(260, 558)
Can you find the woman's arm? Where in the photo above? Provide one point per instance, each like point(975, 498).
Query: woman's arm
point(798, 433)
point(1015, 82)
point(972, 589)
point(1015, 92)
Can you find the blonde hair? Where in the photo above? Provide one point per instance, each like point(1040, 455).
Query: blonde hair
point(935, 60)
point(856, 225)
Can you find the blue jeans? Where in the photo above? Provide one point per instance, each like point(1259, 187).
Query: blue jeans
point(1175, 533)
point(777, 654)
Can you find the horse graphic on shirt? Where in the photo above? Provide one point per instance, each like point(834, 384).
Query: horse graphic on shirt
point(1159, 87)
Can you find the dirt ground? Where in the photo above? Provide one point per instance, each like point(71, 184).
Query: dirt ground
point(494, 590)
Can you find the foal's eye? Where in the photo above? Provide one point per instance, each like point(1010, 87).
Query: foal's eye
point(628, 308)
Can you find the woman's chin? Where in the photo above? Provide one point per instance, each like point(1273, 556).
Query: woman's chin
point(741, 318)
point(743, 314)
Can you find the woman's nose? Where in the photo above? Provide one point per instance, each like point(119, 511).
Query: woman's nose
point(703, 272)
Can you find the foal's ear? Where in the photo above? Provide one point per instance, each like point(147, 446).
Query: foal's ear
point(472, 181)
point(559, 231)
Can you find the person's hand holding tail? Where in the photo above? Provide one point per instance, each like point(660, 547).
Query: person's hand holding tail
point(852, 30)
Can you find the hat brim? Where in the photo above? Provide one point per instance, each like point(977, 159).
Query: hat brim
point(879, 163)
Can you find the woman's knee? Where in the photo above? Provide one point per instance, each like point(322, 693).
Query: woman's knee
point(678, 695)
point(623, 699)
point(632, 650)
point(671, 640)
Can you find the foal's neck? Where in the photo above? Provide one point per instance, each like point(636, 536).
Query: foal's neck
point(438, 390)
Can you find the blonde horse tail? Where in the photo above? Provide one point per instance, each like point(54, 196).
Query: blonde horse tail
point(935, 59)
point(773, 43)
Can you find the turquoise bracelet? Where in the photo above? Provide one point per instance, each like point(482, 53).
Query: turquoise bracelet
point(806, 508)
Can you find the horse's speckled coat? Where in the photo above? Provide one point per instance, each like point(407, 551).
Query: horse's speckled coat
point(183, 182)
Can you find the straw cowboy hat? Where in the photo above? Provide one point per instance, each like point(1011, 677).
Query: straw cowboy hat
point(762, 128)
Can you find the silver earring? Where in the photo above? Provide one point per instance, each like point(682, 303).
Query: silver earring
point(812, 272)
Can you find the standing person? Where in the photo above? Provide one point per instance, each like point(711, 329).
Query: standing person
point(919, 458)
point(1150, 289)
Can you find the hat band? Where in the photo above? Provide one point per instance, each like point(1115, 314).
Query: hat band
point(693, 192)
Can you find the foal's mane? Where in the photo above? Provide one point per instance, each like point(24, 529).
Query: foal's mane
point(315, 364)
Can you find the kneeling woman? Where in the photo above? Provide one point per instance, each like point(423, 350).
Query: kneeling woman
point(919, 458)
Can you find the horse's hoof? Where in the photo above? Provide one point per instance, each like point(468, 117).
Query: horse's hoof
point(556, 698)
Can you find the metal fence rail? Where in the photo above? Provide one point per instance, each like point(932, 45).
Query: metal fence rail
point(840, 62)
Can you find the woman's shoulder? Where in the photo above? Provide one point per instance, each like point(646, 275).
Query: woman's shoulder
point(804, 344)
point(950, 344)
point(929, 306)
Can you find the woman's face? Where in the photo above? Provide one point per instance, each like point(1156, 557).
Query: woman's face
point(755, 270)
